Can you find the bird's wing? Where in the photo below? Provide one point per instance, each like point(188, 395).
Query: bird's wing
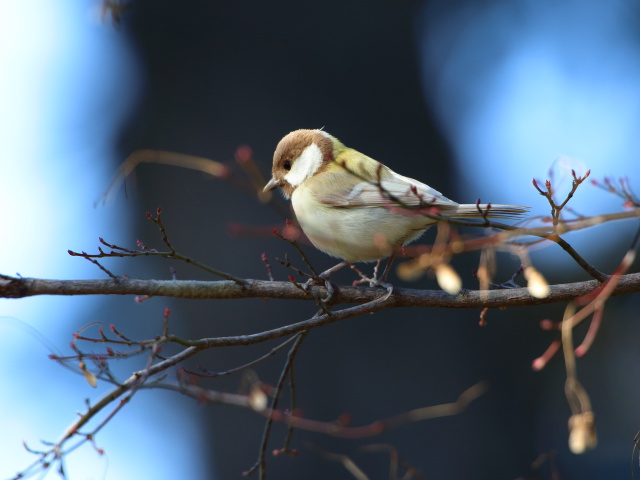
point(394, 189)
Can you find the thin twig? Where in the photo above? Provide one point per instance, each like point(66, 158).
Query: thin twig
point(294, 243)
point(231, 371)
point(260, 465)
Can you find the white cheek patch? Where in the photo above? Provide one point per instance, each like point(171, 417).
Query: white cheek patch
point(305, 165)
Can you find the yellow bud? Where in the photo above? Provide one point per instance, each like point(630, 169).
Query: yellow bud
point(457, 246)
point(88, 376)
point(448, 279)
point(257, 399)
point(483, 276)
point(536, 284)
point(425, 260)
point(582, 433)
point(409, 271)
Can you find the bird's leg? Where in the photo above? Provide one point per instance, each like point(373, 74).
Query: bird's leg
point(325, 276)
point(387, 269)
point(327, 273)
point(382, 281)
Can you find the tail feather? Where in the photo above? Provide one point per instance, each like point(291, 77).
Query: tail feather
point(492, 210)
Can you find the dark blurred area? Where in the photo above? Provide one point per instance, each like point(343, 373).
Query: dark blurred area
point(223, 74)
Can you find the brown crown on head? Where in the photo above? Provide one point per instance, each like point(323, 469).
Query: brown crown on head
point(290, 148)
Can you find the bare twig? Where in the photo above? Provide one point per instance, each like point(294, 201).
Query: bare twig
point(208, 374)
point(267, 265)
point(594, 303)
point(56, 452)
point(349, 465)
point(20, 287)
point(295, 244)
point(378, 427)
point(117, 251)
point(620, 188)
point(206, 165)
point(260, 465)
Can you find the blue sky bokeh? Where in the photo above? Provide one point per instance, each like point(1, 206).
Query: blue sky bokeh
point(520, 88)
point(68, 82)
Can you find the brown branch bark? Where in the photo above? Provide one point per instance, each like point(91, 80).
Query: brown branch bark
point(401, 297)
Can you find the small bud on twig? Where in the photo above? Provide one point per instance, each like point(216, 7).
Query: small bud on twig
point(582, 432)
point(244, 154)
point(89, 377)
point(536, 284)
point(257, 399)
point(265, 260)
point(537, 187)
point(448, 279)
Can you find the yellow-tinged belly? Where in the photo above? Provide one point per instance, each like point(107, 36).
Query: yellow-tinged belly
point(355, 234)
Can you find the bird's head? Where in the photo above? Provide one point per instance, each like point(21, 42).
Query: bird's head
point(300, 155)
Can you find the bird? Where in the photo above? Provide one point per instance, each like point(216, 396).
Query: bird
point(355, 208)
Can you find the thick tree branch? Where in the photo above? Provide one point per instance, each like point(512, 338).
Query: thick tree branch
point(402, 297)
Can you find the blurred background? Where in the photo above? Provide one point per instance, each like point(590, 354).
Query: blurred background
point(473, 98)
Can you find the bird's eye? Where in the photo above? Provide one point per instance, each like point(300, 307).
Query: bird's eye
point(287, 165)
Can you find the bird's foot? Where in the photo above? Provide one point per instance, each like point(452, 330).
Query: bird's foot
point(331, 288)
point(373, 281)
point(324, 277)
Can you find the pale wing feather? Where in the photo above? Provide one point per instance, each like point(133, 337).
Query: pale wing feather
point(400, 186)
point(345, 192)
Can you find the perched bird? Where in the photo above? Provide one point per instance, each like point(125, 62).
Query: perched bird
point(352, 206)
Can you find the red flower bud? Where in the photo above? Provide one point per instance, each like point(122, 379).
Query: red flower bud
point(244, 154)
